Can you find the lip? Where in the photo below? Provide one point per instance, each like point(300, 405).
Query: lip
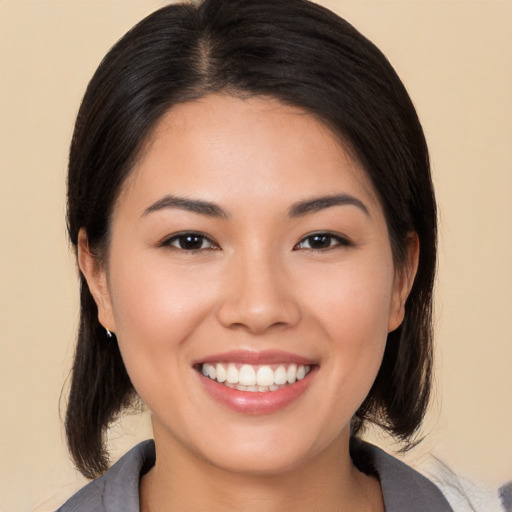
point(256, 358)
point(257, 403)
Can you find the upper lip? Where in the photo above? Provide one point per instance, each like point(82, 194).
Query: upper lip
point(253, 357)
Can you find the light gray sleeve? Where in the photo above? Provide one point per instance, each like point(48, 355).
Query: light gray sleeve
point(505, 493)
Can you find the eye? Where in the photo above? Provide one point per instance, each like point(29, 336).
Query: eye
point(190, 242)
point(322, 242)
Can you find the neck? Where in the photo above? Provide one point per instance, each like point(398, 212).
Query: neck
point(183, 482)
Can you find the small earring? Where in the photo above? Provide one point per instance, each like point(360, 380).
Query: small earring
point(109, 334)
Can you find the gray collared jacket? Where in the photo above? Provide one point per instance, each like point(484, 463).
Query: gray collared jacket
point(403, 488)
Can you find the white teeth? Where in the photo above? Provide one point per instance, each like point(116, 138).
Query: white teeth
point(255, 378)
point(232, 374)
point(265, 376)
point(291, 374)
point(221, 373)
point(247, 375)
point(280, 376)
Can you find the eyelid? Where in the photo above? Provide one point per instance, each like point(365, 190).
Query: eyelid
point(167, 241)
point(342, 241)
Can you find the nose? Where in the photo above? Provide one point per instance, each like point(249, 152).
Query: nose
point(258, 296)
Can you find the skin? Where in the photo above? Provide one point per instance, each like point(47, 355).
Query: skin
point(255, 284)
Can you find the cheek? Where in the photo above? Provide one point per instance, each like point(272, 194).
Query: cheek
point(151, 295)
point(353, 301)
point(353, 311)
point(157, 310)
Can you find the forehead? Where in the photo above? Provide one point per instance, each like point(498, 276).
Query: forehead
point(225, 148)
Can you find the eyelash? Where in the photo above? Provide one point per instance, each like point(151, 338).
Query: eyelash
point(180, 238)
point(179, 241)
point(339, 242)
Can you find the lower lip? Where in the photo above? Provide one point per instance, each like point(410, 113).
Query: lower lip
point(265, 402)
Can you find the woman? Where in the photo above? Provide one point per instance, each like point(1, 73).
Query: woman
point(250, 200)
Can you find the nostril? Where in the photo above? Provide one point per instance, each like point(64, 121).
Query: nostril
point(259, 318)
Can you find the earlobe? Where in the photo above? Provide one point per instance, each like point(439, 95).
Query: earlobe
point(96, 278)
point(404, 279)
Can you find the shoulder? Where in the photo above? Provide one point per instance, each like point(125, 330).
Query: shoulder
point(403, 488)
point(505, 493)
point(118, 488)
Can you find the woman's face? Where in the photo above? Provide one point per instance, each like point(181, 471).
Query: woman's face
point(248, 245)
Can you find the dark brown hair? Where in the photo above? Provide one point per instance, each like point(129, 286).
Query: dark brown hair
point(301, 54)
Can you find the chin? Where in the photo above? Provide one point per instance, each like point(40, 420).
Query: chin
point(259, 460)
point(268, 451)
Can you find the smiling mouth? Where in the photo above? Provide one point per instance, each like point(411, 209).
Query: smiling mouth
point(254, 378)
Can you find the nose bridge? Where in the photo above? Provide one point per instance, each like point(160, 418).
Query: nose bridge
point(257, 295)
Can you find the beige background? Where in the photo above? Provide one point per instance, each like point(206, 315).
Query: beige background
point(455, 58)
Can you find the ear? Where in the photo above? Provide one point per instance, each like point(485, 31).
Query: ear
point(96, 277)
point(404, 279)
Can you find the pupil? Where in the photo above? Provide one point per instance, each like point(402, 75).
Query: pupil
point(320, 241)
point(191, 242)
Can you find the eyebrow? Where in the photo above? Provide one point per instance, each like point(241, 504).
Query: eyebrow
point(296, 210)
point(191, 205)
point(320, 203)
